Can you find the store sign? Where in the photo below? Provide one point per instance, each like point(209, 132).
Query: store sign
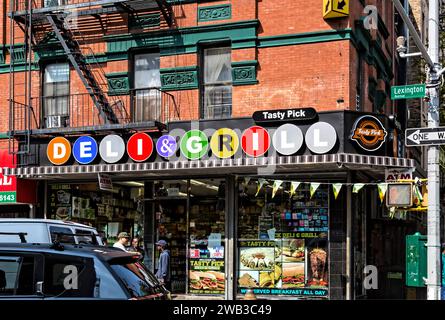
point(8, 184)
point(105, 182)
point(287, 115)
point(369, 133)
point(223, 143)
point(396, 175)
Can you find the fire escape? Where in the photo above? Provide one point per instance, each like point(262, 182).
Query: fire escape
point(33, 22)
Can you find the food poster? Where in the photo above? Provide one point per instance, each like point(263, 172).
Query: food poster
point(60, 201)
point(206, 271)
point(294, 267)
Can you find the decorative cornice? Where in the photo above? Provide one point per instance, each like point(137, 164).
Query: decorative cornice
point(212, 13)
point(144, 21)
point(185, 78)
point(244, 73)
point(118, 83)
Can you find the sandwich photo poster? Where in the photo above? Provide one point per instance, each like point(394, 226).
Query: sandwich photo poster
point(292, 267)
point(206, 272)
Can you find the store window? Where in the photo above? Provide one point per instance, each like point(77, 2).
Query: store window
point(190, 216)
point(109, 212)
point(283, 240)
point(55, 99)
point(147, 85)
point(216, 83)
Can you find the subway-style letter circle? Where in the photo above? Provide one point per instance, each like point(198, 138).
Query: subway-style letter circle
point(194, 144)
point(112, 148)
point(58, 151)
point(140, 147)
point(85, 150)
point(255, 141)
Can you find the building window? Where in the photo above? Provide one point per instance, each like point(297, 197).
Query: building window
point(217, 83)
point(147, 87)
point(56, 90)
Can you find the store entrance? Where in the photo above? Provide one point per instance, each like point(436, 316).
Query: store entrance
point(190, 216)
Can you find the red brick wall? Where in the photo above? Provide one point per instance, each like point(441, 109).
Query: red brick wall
point(321, 75)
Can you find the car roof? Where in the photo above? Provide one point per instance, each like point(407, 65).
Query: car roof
point(90, 251)
point(47, 221)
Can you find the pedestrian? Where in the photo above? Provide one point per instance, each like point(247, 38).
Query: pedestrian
point(163, 272)
point(122, 240)
point(136, 247)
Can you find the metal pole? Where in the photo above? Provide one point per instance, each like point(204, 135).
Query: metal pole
point(349, 275)
point(433, 244)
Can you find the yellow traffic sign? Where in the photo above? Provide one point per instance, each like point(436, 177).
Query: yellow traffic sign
point(335, 8)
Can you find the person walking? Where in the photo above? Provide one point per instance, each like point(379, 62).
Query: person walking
point(122, 240)
point(163, 272)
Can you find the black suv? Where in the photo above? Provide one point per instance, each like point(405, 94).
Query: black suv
point(53, 271)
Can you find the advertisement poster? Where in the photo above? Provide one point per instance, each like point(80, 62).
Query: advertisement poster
point(207, 274)
point(296, 267)
point(60, 201)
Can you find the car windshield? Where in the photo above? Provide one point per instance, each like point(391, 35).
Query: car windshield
point(137, 279)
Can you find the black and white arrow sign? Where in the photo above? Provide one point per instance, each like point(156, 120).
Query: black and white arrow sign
point(424, 136)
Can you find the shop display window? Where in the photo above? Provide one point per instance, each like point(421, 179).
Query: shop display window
point(283, 240)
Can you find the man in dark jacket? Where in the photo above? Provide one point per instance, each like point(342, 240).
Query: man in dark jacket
point(163, 272)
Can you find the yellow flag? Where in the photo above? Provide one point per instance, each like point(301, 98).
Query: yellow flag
point(382, 187)
point(357, 187)
point(261, 183)
point(276, 186)
point(293, 187)
point(336, 187)
point(313, 188)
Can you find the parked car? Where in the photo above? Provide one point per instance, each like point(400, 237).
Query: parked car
point(56, 271)
point(46, 231)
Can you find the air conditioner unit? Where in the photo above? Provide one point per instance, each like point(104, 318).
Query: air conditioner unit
point(56, 122)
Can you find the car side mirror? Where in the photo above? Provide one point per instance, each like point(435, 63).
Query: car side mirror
point(39, 288)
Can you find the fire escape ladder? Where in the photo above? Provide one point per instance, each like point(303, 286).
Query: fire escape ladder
point(79, 62)
point(166, 11)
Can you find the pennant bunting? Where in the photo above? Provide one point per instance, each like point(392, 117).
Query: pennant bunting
point(276, 186)
point(313, 188)
point(261, 183)
point(246, 181)
point(293, 187)
point(417, 193)
point(382, 187)
point(336, 187)
point(357, 187)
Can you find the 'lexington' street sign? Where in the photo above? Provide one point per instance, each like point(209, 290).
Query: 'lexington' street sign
point(424, 136)
point(408, 92)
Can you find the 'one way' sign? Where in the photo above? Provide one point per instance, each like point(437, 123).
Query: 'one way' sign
point(424, 136)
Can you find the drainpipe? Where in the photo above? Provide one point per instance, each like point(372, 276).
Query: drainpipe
point(349, 239)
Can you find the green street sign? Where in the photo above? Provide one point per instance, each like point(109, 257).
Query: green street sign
point(8, 197)
point(408, 92)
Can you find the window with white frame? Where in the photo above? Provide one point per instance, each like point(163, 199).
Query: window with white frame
point(216, 86)
point(56, 90)
point(147, 87)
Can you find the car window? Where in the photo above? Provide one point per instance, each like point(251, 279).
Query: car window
point(90, 238)
point(62, 234)
point(16, 276)
point(137, 279)
point(69, 276)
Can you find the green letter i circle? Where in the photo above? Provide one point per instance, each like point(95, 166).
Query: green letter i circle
point(194, 144)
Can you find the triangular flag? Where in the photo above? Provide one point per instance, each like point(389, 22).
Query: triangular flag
point(246, 181)
point(293, 187)
point(314, 187)
point(336, 187)
point(382, 187)
point(417, 193)
point(357, 187)
point(261, 183)
point(276, 185)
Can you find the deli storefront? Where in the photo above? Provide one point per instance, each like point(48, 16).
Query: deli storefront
point(244, 203)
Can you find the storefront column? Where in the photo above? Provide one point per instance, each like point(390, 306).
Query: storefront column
point(349, 275)
point(149, 225)
point(230, 254)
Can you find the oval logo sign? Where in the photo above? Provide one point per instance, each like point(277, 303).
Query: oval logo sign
point(369, 133)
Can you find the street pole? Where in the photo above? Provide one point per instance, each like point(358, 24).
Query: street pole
point(433, 87)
